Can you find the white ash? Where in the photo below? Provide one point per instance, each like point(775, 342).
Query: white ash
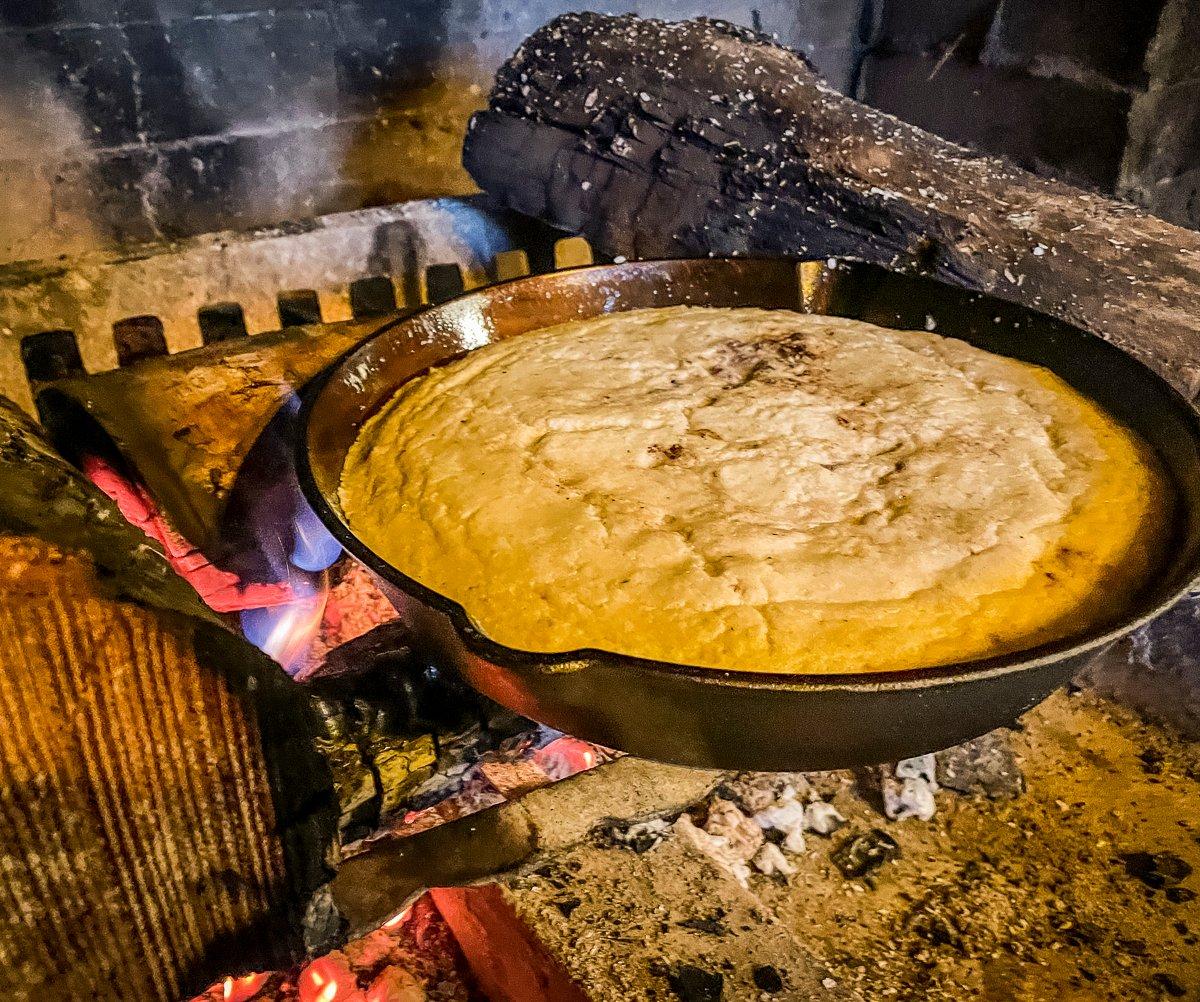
point(715, 847)
point(786, 815)
point(741, 834)
point(770, 860)
point(790, 804)
point(756, 791)
point(911, 799)
point(922, 767)
point(822, 818)
point(910, 792)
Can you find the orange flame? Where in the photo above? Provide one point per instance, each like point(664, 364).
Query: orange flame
point(244, 988)
point(286, 632)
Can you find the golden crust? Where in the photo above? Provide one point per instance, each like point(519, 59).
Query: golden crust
point(758, 490)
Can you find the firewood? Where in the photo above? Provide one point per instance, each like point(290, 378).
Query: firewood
point(699, 138)
point(165, 814)
point(186, 422)
point(173, 805)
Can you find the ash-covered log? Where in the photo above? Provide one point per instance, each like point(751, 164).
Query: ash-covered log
point(660, 139)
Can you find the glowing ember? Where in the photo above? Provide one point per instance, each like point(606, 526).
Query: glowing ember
point(244, 988)
point(567, 756)
point(504, 775)
point(222, 591)
point(281, 618)
point(355, 606)
point(329, 979)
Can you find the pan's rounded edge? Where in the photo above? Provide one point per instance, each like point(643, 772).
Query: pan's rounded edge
point(705, 717)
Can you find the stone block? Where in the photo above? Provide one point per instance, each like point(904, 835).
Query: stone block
point(90, 67)
point(107, 190)
point(1053, 126)
point(1085, 40)
point(240, 182)
point(237, 72)
point(388, 51)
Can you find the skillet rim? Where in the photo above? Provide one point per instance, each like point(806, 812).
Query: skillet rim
point(580, 659)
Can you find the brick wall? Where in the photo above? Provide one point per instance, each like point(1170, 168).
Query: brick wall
point(129, 120)
point(1048, 83)
point(181, 116)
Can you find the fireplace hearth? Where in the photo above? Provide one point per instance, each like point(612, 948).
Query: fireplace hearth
point(230, 769)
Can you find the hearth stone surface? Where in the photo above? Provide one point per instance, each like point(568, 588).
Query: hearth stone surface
point(1036, 896)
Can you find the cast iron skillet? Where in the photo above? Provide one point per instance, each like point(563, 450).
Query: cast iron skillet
point(750, 720)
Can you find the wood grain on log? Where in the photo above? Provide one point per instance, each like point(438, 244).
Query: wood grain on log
point(143, 852)
point(699, 138)
point(165, 816)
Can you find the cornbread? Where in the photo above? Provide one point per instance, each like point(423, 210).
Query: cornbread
point(758, 490)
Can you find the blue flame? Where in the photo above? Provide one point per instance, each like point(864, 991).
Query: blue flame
point(285, 633)
point(313, 546)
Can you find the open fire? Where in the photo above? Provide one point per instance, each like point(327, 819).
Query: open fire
point(283, 617)
point(319, 600)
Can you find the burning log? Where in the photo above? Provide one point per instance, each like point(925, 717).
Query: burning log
point(662, 139)
point(172, 805)
point(188, 422)
point(165, 814)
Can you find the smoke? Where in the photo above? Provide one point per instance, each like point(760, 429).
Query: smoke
point(39, 131)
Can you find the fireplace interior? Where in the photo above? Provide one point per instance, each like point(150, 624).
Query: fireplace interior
point(231, 770)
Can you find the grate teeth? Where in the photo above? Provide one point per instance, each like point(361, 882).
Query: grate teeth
point(55, 354)
point(221, 321)
point(372, 297)
point(511, 264)
point(51, 355)
point(442, 282)
point(298, 307)
point(136, 338)
point(572, 252)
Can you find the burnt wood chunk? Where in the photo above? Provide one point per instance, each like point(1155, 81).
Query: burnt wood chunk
point(696, 138)
point(506, 958)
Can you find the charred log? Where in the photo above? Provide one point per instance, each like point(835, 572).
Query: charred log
point(662, 139)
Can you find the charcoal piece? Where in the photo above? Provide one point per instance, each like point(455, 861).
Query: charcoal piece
point(639, 837)
point(768, 979)
point(711, 924)
point(1156, 869)
point(985, 765)
point(864, 853)
point(694, 984)
point(567, 906)
point(1168, 984)
point(1152, 761)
